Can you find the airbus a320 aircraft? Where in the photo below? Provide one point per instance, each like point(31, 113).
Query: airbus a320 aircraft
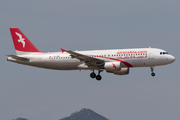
point(117, 61)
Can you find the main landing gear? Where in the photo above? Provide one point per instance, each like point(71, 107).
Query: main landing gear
point(152, 70)
point(98, 77)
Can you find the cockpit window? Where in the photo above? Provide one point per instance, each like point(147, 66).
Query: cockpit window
point(163, 53)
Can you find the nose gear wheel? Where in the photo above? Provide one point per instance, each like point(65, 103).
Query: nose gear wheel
point(152, 70)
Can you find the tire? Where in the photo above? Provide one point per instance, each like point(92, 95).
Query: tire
point(98, 77)
point(92, 75)
point(153, 74)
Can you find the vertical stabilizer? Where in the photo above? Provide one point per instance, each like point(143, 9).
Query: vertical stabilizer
point(21, 43)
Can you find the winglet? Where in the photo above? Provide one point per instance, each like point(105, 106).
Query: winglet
point(63, 50)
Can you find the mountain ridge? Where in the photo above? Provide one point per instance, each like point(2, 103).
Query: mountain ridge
point(85, 114)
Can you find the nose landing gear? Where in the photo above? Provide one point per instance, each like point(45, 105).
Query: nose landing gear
point(152, 70)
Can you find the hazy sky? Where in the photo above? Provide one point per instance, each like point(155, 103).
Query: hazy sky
point(40, 94)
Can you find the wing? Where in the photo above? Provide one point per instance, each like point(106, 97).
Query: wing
point(88, 60)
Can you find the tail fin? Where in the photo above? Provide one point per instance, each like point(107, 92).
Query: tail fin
point(21, 43)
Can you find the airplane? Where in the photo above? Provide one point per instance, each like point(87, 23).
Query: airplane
point(116, 61)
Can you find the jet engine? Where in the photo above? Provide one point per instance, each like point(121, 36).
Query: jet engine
point(115, 67)
point(112, 66)
point(123, 71)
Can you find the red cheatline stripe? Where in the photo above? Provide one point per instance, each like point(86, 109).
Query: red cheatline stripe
point(124, 62)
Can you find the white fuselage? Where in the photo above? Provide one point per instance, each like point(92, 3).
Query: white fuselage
point(142, 57)
point(116, 61)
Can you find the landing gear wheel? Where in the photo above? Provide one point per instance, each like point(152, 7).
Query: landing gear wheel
point(152, 69)
point(153, 74)
point(98, 77)
point(92, 75)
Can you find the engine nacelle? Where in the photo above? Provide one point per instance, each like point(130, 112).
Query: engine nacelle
point(112, 66)
point(123, 71)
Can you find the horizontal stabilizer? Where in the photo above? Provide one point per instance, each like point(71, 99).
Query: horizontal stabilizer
point(18, 58)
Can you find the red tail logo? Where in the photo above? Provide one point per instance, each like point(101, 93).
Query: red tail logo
point(21, 39)
point(21, 42)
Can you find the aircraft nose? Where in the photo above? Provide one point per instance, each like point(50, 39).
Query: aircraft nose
point(172, 59)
